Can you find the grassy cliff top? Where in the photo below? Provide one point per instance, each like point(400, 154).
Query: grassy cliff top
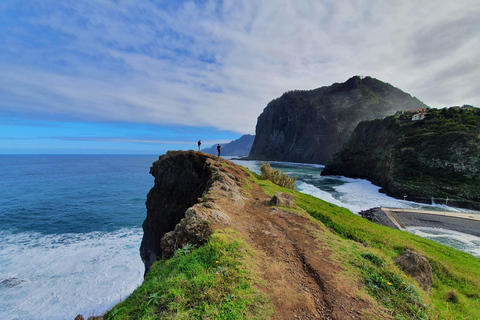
point(313, 260)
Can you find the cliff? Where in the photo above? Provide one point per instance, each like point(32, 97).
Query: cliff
point(309, 126)
point(196, 194)
point(222, 243)
point(237, 148)
point(437, 157)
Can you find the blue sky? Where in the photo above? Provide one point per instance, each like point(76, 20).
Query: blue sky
point(124, 76)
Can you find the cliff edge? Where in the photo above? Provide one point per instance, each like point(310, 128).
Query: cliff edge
point(274, 253)
point(196, 194)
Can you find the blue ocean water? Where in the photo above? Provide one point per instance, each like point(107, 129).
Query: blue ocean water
point(70, 228)
point(70, 233)
point(55, 194)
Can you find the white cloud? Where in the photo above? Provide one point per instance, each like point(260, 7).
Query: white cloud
point(219, 64)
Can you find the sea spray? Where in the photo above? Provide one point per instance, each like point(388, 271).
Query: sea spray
point(63, 275)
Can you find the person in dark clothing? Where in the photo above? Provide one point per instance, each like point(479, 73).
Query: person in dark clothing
point(218, 149)
point(199, 144)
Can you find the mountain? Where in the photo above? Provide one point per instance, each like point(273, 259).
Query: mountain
point(216, 246)
point(436, 157)
point(309, 126)
point(239, 148)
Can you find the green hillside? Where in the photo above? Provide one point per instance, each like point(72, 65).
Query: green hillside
point(220, 280)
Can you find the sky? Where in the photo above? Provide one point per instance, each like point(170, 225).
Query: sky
point(144, 77)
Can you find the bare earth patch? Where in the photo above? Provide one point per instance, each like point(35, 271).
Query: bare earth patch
point(292, 261)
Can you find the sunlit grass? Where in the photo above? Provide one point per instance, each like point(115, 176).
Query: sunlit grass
point(209, 282)
point(456, 274)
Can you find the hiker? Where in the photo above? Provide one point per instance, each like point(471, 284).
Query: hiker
point(199, 144)
point(218, 149)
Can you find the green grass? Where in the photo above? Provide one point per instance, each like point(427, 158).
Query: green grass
point(193, 285)
point(209, 282)
point(456, 274)
point(393, 290)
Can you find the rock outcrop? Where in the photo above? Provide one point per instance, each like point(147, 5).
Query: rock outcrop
point(416, 266)
point(179, 208)
point(196, 194)
point(437, 157)
point(282, 199)
point(309, 126)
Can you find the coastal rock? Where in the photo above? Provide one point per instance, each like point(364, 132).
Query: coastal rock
point(416, 266)
point(436, 159)
point(282, 199)
point(181, 206)
point(376, 215)
point(11, 282)
point(309, 126)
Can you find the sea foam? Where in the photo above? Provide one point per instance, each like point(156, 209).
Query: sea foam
point(461, 241)
point(60, 276)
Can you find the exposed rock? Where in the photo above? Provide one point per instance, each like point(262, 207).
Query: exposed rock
point(282, 199)
point(80, 317)
point(11, 282)
point(181, 206)
point(416, 266)
point(431, 160)
point(309, 126)
point(376, 215)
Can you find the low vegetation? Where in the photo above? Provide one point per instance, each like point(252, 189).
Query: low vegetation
point(393, 290)
point(210, 282)
point(434, 159)
point(456, 274)
point(216, 281)
point(276, 176)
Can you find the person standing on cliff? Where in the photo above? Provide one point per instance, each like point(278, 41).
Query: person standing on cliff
point(199, 144)
point(218, 149)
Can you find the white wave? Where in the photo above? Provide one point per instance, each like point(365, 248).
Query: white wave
point(64, 275)
point(461, 241)
point(318, 193)
point(355, 195)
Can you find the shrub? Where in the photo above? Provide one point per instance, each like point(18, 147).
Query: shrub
point(280, 178)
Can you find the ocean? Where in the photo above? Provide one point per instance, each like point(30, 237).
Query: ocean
point(71, 228)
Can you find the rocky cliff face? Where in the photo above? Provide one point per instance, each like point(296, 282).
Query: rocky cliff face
point(309, 126)
point(179, 207)
point(196, 194)
point(436, 157)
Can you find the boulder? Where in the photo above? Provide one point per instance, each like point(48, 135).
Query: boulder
point(282, 199)
point(416, 266)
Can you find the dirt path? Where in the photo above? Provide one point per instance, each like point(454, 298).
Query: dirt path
point(293, 263)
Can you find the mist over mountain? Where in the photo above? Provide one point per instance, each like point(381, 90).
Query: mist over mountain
point(309, 126)
point(239, 148)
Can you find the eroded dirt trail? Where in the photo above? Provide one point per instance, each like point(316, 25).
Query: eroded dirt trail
point(294, 264)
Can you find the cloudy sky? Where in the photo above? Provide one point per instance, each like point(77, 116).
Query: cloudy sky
point(129, 76)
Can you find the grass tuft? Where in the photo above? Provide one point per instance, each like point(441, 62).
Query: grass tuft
point(276, 176)
point(391, 289)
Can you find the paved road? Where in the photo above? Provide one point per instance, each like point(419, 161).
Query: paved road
point(461, 222)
